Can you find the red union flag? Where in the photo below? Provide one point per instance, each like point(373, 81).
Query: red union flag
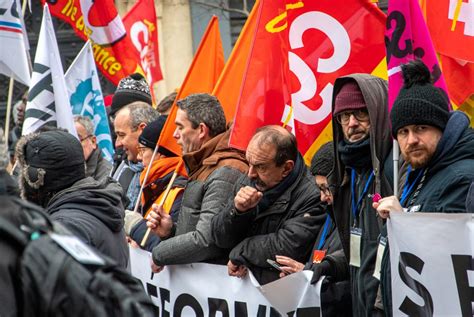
point(140, 23)
point(103, 26)
point(299, 50)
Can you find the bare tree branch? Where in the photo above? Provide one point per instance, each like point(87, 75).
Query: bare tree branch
point(225, 7)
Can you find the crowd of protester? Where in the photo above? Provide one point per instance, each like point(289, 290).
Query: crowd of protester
point(241, 209)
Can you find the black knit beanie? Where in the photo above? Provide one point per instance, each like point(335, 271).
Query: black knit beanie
point(130, 89)
point(419, 102)
point(322, 162)
point(151, 134)
point(51, 160)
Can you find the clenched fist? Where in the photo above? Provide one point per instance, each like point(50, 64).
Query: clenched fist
point(247, 198)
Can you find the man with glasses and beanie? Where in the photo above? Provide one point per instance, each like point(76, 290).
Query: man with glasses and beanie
point(362, 143)
point(96, 166)
point(327, 250)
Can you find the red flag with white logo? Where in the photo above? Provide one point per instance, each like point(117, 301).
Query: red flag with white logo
point(140, 24)
point(299, 50)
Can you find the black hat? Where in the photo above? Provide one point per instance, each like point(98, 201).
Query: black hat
point(322, 162)
point(419, 102)
point(151, 134)
point(130, 89)
point(51, 160)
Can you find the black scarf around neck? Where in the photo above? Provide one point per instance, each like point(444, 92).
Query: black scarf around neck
point(271, 195)
point(355, 155)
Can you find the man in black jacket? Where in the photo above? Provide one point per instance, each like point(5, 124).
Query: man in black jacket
point(275, 211)
point(53, 176)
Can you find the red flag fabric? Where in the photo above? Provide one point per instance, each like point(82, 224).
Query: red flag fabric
point(451, 24)
point(298, 52)
point(202, 76)
point(140, 24)
point(113, 50)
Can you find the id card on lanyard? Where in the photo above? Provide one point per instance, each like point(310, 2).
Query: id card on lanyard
point(356, 233)
point(356, 237)
point(378, 261)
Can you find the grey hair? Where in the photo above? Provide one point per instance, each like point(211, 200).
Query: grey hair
point(86, 122)
point(204, 108)
point(284, 142)
point(141, 112)
point(3, 151)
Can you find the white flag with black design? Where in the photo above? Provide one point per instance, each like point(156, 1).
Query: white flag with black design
point(48, 102)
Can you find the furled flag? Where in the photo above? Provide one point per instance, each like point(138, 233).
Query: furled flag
point(140, 23)
point(100, 22)
point(299, 50)
point(13, 49)
point(48, 102)
point(201, 77)
point(451, 25)
point(228, 87)
point(85, 97)
point(407, 38)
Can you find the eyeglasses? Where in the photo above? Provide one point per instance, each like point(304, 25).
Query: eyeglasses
point(141, 149)
point(323, 188)
point(360, 115)
point(85, 138)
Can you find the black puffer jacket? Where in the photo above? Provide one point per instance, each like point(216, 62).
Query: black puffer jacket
point(93, 212)
point(288, 227)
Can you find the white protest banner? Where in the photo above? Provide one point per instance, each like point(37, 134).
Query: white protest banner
point(432, 264)
point(201, 289)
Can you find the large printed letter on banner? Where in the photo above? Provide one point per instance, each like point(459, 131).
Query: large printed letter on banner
point(48, 102)
point(113, 50)
point(85, 96)
point(140, 23)
point(13, 39)
point(201, 289)
point(429, 281)
point(312, 43)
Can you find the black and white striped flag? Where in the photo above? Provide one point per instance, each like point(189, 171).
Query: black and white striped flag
point(48, 102)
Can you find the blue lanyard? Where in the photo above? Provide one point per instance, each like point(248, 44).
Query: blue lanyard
point(407, 189)
point(325, 232)
point(355, 207)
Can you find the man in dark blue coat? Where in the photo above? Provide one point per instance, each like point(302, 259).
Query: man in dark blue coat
point(438, 147)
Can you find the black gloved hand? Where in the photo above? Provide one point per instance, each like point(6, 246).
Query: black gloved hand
point(320, 269)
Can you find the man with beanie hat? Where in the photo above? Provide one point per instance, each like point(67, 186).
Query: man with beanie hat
point(53, 176)
point(335, 294)
point(438, 147)
point(161, 171)
point(128, 125)
point(362, 144)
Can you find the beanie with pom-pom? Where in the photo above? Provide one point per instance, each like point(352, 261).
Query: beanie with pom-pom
point(419, 102)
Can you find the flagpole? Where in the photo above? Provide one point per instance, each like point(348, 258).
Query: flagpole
point(9, 109)
point(137, 203)
point(396, 158)
point(162, 201)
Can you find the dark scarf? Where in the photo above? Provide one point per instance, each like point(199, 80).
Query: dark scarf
point(271, 195)
point(355, 155)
